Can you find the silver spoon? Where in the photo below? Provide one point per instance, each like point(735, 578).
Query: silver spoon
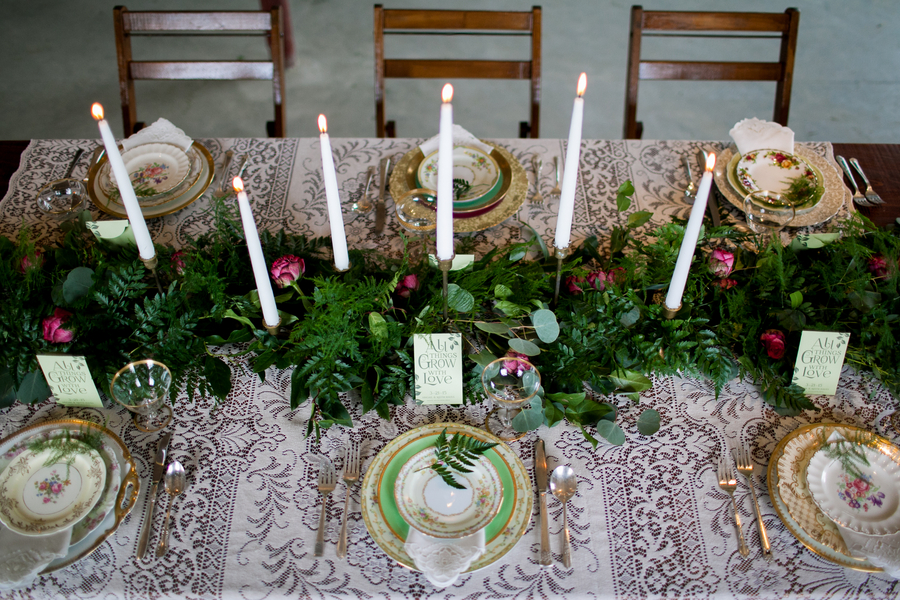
point(563, 485)
point(175, 484)
point(74, 162)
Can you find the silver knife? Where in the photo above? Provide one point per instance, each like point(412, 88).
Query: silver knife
point(159, 469)
point(379, 206)
point(711, 204)
point(540, 477)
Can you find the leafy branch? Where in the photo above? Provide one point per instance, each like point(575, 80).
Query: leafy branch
point(457, 454)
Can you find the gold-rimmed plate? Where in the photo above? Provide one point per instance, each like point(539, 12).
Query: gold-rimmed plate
point(183, 199)
point(389, 530)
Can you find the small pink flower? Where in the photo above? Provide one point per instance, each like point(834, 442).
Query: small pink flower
point(407, 285)
point(615, 275)
point(721, 262)
point(861, 486)
point(572, 282)
point(725, 284)
point(597, 280)
point(56, 488)
point(515, 366)
point(53, 331)
point(287, 269)
point(42, 486)
point(878, 266)
point(31, 261)
point(773, 340)
point(46, 499)
point(178, 262)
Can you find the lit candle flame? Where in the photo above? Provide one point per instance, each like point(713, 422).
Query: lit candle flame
point(582, 84)
point(97, 111)
point(238, 184)
point(710, 162)
point(447, 93)
point(323, 124)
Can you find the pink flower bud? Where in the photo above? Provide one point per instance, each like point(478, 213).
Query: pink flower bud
point(407, 285)
point(721, 262)
point(287, 269)
point(53, 331)
point(878, 266)
point(773, 340)
point(31, 261)
point(178, 262)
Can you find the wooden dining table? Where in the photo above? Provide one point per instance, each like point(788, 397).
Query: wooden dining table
point(648, 519)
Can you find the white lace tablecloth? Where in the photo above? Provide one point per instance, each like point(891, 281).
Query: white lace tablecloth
point(648, 519)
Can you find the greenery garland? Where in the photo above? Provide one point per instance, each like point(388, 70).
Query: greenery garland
point(746, 301)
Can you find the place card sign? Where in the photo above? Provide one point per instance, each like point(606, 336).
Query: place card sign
point(115, 233)
point(70, 380)
point(819, 361)
point(460, 261)
point(438, 368)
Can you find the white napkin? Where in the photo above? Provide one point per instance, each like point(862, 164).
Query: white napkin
point(22, 557)
point(442, 561)
point(754, 134)
point(461, 137)
point(163, 131)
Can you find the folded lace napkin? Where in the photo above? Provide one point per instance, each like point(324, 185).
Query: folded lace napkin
point(461, 137)
point(22, 557)
point(163, 131)
point(442, 561)
point(755, 134)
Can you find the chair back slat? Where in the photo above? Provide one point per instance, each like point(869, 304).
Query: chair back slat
point(456, 69)
point(458, 19)
point(704, 21)
point(195, 21)
point(198, 70)
point(710, 71)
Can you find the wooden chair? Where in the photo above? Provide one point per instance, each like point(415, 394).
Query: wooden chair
point(196, 23)
point(724, 24)
point(457, 22)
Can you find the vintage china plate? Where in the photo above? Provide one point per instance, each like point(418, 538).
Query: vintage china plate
point(148, 197)
point(112, 206)
point(41, 496)
point(772, 170)
point(154, 168)
point(389, 530)
point(788, 490)
point(428, 504)
point(478, 170)
point(833, 194)
point(868, 504)
point(123, 478)
point(508, 200)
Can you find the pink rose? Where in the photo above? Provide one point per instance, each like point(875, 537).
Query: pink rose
point(31, 261)
point(407, 285)
point(878, 266)
point(287, 269)
point(56, 488)
point(725, 284)
point(572, 282)
point(597, 280)
point(773, 340)
point(721, 262)
point(615, 275)
point(53, 331)
point(43, 486)
point(46, 499)
point(178, 262)
point(861, 486)
point(515, 366)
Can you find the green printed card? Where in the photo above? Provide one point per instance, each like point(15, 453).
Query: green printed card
point(70, 380)
point(438, 368)
point(116, 233)
point(819, 361)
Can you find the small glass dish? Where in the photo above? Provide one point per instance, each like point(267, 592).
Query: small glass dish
point(416, 212)
point(767, 211)
point(62, 199)
point(143, 387)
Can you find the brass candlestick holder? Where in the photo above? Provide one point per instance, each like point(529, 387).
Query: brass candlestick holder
point(151, 264)
point(561, 254)
point(445, 265)
point(272, 329)
point(668, 313)
point(349, 266)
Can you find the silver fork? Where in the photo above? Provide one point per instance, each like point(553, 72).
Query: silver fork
point(858, 198)
point(556, 191)
point(327, 483)
point(871, 196)
point(745, 468)
point(538, 166)
point(728, 484)
point(351, 476)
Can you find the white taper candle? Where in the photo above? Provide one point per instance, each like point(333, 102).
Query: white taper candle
point(570, 175)
point(444, 233)
point(257, 260)
point(333, 200)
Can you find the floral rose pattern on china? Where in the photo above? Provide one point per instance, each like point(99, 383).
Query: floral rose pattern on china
point(858, 492)
point(52, 487)
point(152, 173)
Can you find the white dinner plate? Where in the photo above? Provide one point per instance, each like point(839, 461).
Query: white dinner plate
point(479, 171)
point(776, 171)
point(154, 168)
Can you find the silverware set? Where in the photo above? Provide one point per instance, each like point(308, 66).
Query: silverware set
point(379, 204)
point(870, 198)
point(174, 478)
point(562, 484)
point(538, 166)
point(728, 483)
point(326, 483)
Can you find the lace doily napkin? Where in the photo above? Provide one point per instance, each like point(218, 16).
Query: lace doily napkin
point(162, 131)
point(755, 134)
point(461, 137)
point(442, 561)
point(22, 557)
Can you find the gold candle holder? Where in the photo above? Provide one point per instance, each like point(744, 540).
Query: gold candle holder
point(349, 266)
point(445, 265)
point(561, 254)
point(273, 329)
point(150, 264)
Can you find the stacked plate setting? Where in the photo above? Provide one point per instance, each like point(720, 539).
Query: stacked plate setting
point(478, 182)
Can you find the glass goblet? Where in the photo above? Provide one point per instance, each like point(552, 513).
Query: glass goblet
point(510, 382)
point(62, 199)
point(767, 211)
point(142, 387)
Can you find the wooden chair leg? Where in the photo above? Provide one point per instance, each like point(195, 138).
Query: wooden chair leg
point(524, 129)
point(390, 129)
point(639, 130)
point(270, 128)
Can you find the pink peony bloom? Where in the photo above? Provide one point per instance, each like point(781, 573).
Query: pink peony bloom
point(407, 285)
point(31, 261)
point(178, 262)
point(287, 269)
point(572, 284)
point(721, 262)
point(725, 284)
point(53, 331)
point(773, 340)
point(515, 365)
point(878, 266)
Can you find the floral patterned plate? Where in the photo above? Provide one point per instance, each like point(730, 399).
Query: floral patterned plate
point(476, 176)
point(865, 499)
point(389, 530)
point(148, 196)
point(427, 503)
point(154, 168)
point(40, 495)
point(776, 171)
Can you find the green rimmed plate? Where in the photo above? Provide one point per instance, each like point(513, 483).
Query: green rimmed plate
point(480, 172)
point(743, 182)
point(388, 528)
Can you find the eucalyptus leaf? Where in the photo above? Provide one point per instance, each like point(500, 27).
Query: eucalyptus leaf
point(631, 317)
point(378, 326)
point(483, 358)
point(630, 381)
point(502, 292)
point(510, 309)
point(34, 388)
point(491, 371)
point(77, 284)
point(611, 432)
point(636, 219)
point(218, 374)
point(528, 420)
point(459, 299)
point(545, 325)
point(531, 381)
point(524, 347)
point(497, 328)
point(648, 422)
